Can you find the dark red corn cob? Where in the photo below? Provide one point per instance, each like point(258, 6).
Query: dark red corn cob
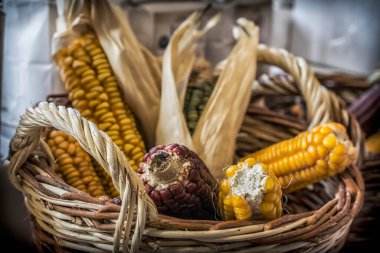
point(179, 182)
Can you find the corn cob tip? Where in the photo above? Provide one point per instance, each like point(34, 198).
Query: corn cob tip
point(250, 190)
point(342, 151)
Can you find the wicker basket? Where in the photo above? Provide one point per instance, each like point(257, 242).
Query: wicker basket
point(66, 219)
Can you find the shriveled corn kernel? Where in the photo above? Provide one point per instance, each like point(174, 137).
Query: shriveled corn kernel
point(93, 90)
point(249, 190)
point(324, 150)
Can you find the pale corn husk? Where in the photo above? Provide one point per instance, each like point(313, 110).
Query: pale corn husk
point(178, 61)
point(216, 131)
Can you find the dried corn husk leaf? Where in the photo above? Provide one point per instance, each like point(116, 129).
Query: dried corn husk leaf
point(217, 129)
point(219, 124)
point(178, 61)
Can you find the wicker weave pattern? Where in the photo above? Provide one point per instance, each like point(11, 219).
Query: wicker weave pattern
point(66, 218)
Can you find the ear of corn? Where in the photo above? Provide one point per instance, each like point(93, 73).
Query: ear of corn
point(178, 182)
point(74, 164)
point(309, 157)
point(249, 191)
point(94, 91)
point(105, 180)
point(197, 94)
point(372, 143)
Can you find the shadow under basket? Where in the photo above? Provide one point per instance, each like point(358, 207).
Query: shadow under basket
point(65, 219)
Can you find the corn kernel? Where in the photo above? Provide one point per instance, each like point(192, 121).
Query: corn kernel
point(250, 162)
point(238, 201)
point(330, 141)
point(322, 151)
point(225, 186)
point(269, 184)
point(266, 207)
point(231, 170)
point(335, 158)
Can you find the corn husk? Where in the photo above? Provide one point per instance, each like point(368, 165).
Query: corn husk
point(216, 132)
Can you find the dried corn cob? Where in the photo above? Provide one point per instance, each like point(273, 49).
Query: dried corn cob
point(250, 191)
point(309, 157)
point(94, 91)
point(105, 180)
point(372, 143)
point(178, 181)
point(74, 164)
point(197, 94)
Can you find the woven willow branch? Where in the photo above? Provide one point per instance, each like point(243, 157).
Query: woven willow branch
point(97, 144)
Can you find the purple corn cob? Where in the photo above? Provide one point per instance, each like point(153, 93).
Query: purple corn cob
point(178, 182)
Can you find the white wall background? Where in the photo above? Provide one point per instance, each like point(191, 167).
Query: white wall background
point(339, 33)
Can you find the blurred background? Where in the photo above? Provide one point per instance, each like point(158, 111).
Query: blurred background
point(334, 36)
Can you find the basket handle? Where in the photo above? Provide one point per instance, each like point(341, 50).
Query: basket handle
point(318, 99)
point(100, 146)
point(322, 104)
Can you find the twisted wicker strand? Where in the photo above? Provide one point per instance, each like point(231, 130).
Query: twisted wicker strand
point(98, 145)
point(275, 85)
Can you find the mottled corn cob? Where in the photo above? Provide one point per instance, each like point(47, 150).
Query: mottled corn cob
point(94, 91)
point(178, 182)
point(197, 94)
point(250, 191)
point(74, 164)
point(309, 157)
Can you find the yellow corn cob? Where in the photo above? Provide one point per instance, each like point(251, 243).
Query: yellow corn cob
point(105, 180)
point(94, 91)
point(309, 157)
point(372, 144)
point(250, 191)
point(74, 164)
